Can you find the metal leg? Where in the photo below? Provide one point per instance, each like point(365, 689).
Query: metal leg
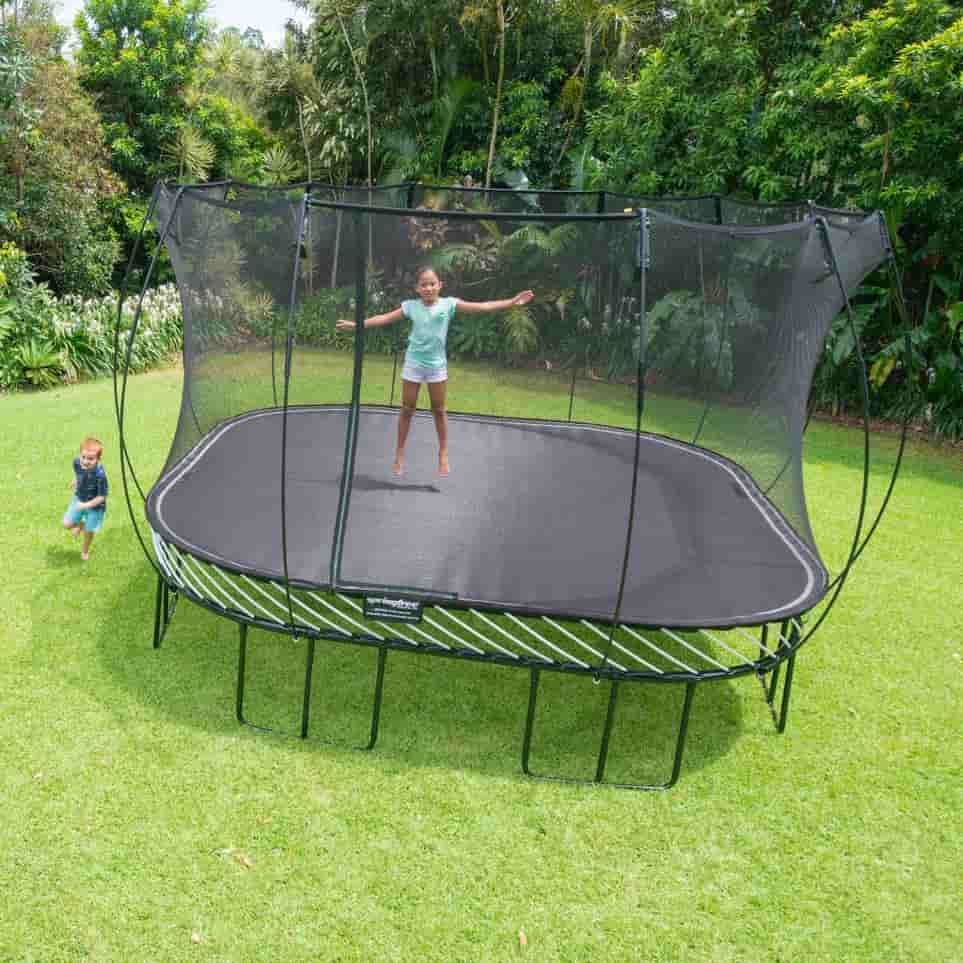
point(241, 665)
point(306, 704)
point(774, 678)
point(763, 638)
point(529, 722)
point(606, 734)
point(158, 607)
point(310, 651)
point(163, 610)
point(786, 690)
point(773, 683)
point(770, 688)
point(607, 731)
point(376, 707)
point(680, 742)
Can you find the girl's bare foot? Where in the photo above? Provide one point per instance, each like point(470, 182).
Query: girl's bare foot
point(443, 463)
point(398, 467)
point(85, 556)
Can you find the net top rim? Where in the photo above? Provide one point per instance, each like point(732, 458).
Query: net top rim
point(634, 216)
point(813, 211)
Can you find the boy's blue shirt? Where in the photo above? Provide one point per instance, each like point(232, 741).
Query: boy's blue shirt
point(91, 483)
point(429, 330)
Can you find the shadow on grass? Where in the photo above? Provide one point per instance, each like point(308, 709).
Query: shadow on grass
point(64, 553)
point(437, 713)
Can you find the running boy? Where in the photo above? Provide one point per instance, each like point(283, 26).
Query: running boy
point(89, 504)
point(425, 359)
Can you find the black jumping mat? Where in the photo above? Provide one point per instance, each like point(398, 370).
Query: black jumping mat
point(532, 520)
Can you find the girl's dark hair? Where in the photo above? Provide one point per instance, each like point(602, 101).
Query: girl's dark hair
point(422, 269)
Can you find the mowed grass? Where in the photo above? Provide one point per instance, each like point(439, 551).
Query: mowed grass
point(136, 812)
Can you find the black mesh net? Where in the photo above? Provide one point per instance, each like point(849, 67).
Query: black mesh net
point(577, 487)
point(504, 200)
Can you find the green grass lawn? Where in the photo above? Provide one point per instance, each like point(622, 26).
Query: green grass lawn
point(136, 812)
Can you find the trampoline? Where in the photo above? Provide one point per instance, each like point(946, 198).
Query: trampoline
point(650, 525)
point(710, 551)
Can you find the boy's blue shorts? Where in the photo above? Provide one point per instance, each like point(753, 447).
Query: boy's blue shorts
point(91, 518)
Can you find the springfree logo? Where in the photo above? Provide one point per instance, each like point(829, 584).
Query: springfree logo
point(390, 608)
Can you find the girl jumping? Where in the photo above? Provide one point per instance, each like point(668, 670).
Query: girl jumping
point(425, 359)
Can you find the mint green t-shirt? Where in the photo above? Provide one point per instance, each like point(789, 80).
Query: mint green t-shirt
point(429, 330)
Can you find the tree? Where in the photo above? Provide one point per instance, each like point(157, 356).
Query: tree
point(494, 12)
point(18, 119)
point(690, 120)
point(52, 149)
point(138, 58)
point(610, 23)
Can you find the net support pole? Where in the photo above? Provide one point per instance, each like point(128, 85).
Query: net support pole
point(288, 351)
point(643, 268)
point(908, 362)
point(120, 396)
point(354, 411)
point(823, 227)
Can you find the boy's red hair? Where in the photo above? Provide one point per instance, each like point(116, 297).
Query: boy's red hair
point(95, 443)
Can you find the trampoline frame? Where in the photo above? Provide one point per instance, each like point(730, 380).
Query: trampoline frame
point(768, 664)
point(791, 633)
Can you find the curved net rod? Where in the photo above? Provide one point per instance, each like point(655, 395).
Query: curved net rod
point(864, 384)
point(122, 295)
point(707, 404)
point(288, 349)
point(643, 259)
point(121, 401)
point(904, 428)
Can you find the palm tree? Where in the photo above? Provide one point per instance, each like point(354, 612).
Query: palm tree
point(189, 151)
point(610, 22)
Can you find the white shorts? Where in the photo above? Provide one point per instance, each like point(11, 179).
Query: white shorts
point(423, 375)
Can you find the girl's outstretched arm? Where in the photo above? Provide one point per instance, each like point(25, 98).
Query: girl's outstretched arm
point(375, 321)
point(479, 307)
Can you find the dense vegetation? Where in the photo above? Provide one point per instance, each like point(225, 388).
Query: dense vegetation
point(851, 104)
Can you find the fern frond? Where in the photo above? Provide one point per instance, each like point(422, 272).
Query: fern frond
point(521, 332)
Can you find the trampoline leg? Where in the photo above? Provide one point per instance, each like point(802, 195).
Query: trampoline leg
point(786, 690)
point(606, 734)
point(241, 665)
point(376, 706)
point(763, 638)
point(771, 687)
point(680, 742)
point(773, 683)
point(306, 704)
point(163, 610)
point(159, 606)
point(607, 731)
point(530, 722)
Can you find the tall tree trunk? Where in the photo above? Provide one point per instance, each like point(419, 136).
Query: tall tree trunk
point(306, 227)
point(364, 88)
point(337, 249)
point(586, 65)
point(500, 13)
point(367, 113)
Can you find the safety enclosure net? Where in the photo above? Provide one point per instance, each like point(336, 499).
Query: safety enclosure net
point(627, 446)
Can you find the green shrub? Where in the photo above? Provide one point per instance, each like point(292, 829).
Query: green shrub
point(45, 341)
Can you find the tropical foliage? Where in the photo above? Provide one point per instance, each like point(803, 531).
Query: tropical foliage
point(45, 340)
point(852, 104)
